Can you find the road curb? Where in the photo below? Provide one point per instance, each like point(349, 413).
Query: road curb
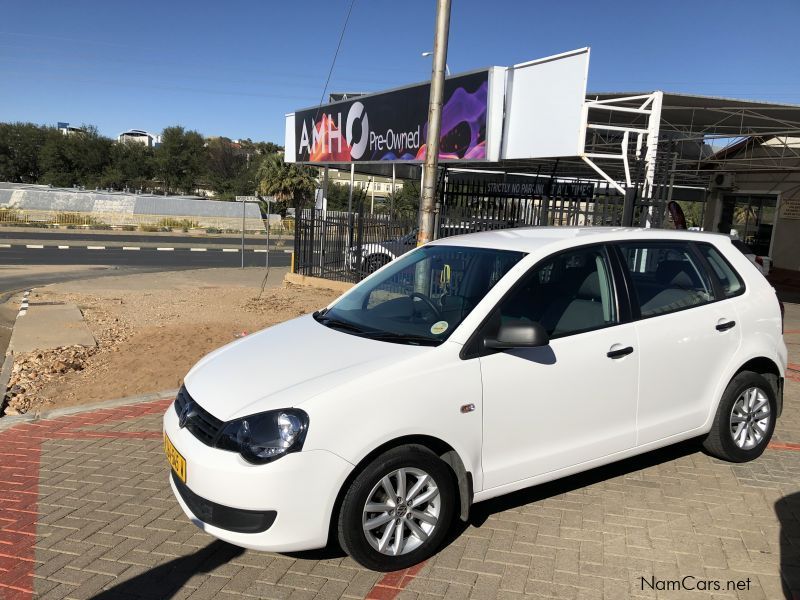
point(5, 377)
point(10, 421)
point(8, 359)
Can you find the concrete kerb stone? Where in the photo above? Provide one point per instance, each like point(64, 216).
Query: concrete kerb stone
point(10, 421)
point(317, 282)
point(5, 377)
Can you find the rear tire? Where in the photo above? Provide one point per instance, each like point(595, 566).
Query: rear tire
point(409, 520)
point(745, 419)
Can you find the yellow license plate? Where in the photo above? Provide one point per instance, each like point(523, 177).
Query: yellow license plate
point(176, 461)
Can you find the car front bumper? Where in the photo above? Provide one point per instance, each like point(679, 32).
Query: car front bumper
point(289, 500)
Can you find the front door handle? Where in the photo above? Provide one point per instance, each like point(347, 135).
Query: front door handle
point(726, 325)
point(620, 352)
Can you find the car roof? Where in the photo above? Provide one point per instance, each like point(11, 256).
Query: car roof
point(530, 239)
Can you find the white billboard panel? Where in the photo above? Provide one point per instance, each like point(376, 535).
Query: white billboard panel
point(288, 138)
point(544, 106)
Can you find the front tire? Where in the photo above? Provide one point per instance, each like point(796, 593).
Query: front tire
point(398, 510)
point(745, 419)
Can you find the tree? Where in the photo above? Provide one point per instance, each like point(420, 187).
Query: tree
point(405, 199)
point(132, 166)
point(180, 159)
point(338, 196)
point(227, 169)
point(74, 159)
point(290, 184)
point(263, 148)
point(20, 144)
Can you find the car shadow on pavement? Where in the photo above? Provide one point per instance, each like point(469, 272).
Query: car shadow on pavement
point(480, 512)
point(788, 511)
point(165, 580)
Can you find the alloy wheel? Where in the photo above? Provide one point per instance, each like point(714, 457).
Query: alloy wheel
point(401, 511)
point(750, 418)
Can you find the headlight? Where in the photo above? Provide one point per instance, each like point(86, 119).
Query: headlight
point(266, 436)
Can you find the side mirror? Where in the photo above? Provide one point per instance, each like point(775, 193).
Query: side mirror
point(518, 334)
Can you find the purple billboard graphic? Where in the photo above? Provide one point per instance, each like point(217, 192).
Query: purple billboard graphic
point(394, 125)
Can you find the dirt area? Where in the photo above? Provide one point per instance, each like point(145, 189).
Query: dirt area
point(147, 339)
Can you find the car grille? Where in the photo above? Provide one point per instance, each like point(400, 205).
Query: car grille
point(201, 423)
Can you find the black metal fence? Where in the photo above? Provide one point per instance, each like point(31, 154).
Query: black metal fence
point(477, 205)
point(350, 246)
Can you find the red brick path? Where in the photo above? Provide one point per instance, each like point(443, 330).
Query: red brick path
point(19, 483)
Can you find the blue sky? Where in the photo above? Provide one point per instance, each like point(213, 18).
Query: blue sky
point(234, 68)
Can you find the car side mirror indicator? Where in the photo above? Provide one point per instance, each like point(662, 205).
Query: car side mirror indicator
point(518, 334)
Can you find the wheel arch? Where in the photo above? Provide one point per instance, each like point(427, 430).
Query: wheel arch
point(439, 447)
point(769, 369)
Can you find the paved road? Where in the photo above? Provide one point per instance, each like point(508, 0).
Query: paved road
point(34, 234)
point(86, 512)
point(177, 257)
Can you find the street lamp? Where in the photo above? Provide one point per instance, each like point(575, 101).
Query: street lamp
point(446, 66)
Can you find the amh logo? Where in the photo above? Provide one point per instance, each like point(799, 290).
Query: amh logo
point(326, 134)
point(357, 111)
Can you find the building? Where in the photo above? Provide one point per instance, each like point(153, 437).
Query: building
point(755, 192)
point(66, 129)
point(380, 186)
point(139, 136)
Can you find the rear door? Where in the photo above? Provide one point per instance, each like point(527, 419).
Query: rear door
point(687, 333)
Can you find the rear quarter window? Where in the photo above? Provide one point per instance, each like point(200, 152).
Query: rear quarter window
point(731, 282)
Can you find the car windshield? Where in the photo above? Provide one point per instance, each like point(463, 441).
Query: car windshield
point(421, 297)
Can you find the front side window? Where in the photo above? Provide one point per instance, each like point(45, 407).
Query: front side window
point(569, 293)
point(666, 278)
point(732, 284)
point(421, 297)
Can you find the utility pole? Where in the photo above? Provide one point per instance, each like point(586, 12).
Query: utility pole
point(427, 205)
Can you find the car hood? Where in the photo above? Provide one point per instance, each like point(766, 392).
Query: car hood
point(285, 366)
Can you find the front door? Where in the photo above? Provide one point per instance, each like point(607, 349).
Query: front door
point(573, 400)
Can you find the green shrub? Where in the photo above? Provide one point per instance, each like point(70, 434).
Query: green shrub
point(173, 223)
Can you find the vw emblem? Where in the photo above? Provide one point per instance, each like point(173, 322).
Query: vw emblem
point(186, 412)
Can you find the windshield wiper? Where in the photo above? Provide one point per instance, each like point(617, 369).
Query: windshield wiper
point(339, 324)
point(402, 338)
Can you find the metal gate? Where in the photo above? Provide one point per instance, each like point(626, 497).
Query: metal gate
point(480, 204)
point(349, 246)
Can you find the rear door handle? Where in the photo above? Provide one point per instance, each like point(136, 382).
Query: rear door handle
point(620, 352)
point(726, 325)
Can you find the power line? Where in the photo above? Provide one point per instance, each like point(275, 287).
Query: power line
point(335, 55)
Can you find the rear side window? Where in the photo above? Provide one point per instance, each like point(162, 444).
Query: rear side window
point(732, 284)
point(666, 277)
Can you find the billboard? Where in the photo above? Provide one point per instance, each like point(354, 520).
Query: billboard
point(393, 126)
point(544, 107)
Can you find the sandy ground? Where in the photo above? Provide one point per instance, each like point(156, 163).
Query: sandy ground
point(152, 328)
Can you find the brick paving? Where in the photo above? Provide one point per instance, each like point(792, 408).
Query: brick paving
point(86, 512)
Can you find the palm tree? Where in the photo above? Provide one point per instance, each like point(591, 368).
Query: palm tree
point(286, 182)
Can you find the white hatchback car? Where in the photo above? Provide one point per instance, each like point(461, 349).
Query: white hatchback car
point(467, 369)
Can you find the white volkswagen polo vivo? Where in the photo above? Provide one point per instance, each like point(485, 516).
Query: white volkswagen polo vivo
point(469, 368)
